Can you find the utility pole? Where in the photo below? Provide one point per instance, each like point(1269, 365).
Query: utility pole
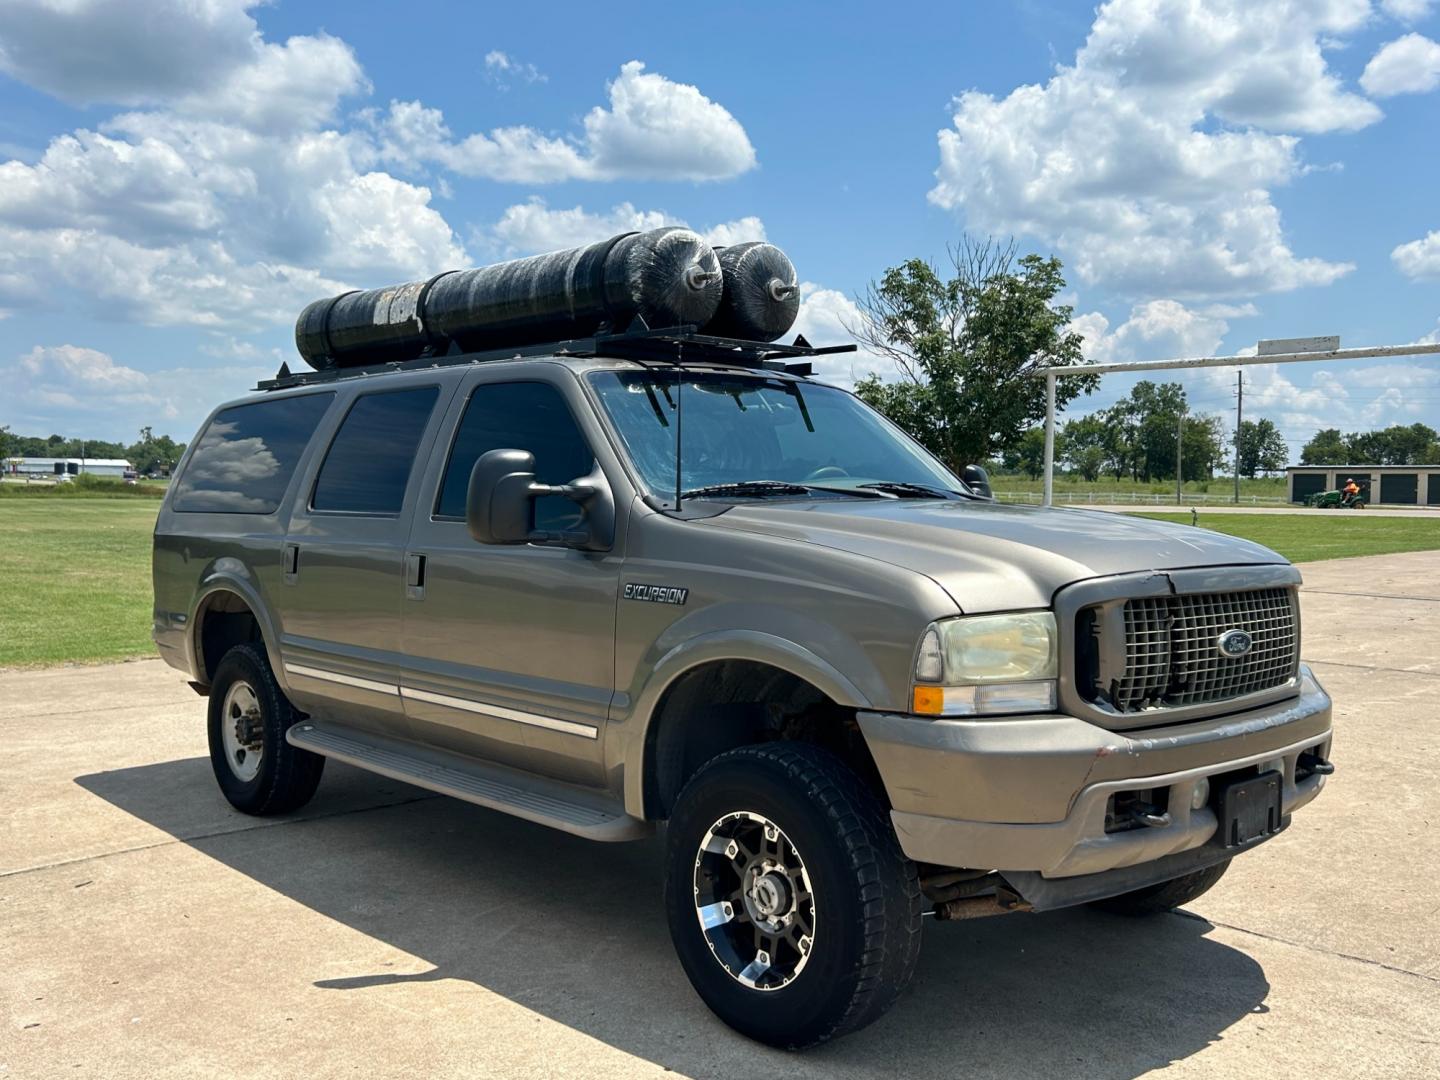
point(1179, 440)
point(1239, 409)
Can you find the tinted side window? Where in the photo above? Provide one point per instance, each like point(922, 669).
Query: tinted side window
point(243, 462)
point(369, 461)
point(519, 416)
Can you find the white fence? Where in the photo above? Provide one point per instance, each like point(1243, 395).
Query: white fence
point(1139, 498)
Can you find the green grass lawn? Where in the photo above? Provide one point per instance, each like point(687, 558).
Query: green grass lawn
point(75, 573)
point(1219, 487)
point(1308, 535)
point(74, 579)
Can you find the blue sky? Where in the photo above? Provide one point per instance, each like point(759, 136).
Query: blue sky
point(178, 179)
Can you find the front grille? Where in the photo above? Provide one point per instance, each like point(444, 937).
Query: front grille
point(1171, 653)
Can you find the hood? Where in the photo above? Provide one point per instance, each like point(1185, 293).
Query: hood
point(993, 557)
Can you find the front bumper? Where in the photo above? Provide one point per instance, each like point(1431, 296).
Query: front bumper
point(1031, 793)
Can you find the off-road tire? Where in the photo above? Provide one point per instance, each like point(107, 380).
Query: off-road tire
point(288, 776)
point(1166, 895)
point(866, 893)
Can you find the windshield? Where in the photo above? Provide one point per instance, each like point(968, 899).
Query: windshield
point(738, 430)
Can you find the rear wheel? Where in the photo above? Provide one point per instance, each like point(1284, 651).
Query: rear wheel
point(794, 913)
point(1166, 895)
point(258, 771)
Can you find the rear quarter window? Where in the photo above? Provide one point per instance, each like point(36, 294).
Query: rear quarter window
point(368, 464)
point(243, 461)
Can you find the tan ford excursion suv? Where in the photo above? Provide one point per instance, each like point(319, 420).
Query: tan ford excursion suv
point(647, 580)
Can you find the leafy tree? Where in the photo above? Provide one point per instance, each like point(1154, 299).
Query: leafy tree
point(1090, 446)
point(1138, 434)
point(1027, 454)
point(1204, 447)
point(1415, 444)
point(1262, 447)
point(1326, 447)
point(966, 347)
point(152, 455)
point(1396, 445)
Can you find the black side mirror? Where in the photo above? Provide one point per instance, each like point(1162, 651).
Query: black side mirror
point(977, 480)
point(500, 503)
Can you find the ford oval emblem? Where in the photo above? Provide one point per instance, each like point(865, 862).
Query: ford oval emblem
point(1234, 644)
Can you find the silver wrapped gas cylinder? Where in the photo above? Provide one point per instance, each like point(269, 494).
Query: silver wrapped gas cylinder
point(761, 298)
point(667, 277)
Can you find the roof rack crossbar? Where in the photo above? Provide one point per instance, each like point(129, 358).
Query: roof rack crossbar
point(641, 344)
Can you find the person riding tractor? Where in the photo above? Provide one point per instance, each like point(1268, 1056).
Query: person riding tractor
point(1349, 492)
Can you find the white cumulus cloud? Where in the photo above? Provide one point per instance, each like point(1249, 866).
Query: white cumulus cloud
point(1419, 258)
point(1407, 65)
point(228, 200)
point(87, 51)
point(827, 317)
point(1407, 11)
point(202, 57)
point(165, 220)
point(654, 129)
point(1155, 330)
point(1149, 162)
point(531, 227)
point(55, 384)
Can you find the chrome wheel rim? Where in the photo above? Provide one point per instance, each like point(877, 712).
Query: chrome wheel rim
point(754, 901)
point(242, 731)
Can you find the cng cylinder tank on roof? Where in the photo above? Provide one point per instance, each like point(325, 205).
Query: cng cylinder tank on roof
point(668, 277)
point(761, 298)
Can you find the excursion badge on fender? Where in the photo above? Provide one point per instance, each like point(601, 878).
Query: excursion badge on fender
point(656, 594)
point(1234, 644)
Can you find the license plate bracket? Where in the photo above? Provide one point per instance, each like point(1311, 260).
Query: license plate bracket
point(1249, 809)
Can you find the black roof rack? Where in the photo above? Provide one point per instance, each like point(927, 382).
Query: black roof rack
point(675, 345)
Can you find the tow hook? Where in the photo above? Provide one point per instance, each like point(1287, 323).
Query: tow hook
point(1313, 762)
point(1002, 902)
point(1151, 815)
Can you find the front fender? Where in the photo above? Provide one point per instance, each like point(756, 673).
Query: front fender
point(752, 645)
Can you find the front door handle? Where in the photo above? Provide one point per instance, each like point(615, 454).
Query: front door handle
point(290, 563)
point(414, 576)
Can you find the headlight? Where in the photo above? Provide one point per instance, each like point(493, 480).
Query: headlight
point(987, 664)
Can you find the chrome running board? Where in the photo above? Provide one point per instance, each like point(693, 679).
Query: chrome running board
point(546, 802)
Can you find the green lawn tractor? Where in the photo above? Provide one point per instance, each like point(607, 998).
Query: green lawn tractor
point(1335, 500)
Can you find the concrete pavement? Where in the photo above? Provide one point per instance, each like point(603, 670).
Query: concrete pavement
point(148, 930)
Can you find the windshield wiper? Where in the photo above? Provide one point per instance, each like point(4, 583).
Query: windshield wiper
point(904, 490)
point(750, 489)
point(761, 488)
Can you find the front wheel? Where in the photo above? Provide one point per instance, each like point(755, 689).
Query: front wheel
point(793, 910)
point(1165, 895)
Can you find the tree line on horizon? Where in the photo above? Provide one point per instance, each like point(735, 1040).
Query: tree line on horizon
point(150, 453)
point(1399, 444)
point(967, 344)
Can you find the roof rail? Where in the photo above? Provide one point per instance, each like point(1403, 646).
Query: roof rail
point(671, 346)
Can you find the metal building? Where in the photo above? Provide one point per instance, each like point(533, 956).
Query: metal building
point(73, 466)
point(1389, 485)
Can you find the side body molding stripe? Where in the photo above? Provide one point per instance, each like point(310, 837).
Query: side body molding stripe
point(550, 723)
point(568, 727)
point(347, 680)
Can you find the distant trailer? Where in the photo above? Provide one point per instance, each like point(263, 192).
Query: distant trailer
point(50, 466)
point(1382, 485)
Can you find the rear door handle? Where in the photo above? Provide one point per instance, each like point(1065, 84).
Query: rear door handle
point(290, 562)
point(414, 576)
